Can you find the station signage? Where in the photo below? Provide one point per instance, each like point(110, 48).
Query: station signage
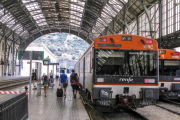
point(25, 55)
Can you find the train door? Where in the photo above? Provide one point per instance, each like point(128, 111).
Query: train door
point(84, 73)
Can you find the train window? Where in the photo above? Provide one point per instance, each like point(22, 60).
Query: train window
point(119, 62)
point(168, 67)
point(87, 63)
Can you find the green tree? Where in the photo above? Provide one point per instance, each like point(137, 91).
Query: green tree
point(73, 58)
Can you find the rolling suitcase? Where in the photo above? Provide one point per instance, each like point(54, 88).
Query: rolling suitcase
point(59, 92)
point(51, 85)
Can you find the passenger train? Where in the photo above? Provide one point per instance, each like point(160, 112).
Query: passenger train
point(169, 74)
point(120, 71)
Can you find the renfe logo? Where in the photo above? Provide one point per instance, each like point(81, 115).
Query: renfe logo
point(104, 93)
point(148, 46)
point(126, 79)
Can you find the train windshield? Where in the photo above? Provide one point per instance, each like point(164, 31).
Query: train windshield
point(169, 67)
point(125, 63)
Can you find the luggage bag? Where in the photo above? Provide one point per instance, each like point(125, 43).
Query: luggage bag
point(51, 84)
point(59, 92)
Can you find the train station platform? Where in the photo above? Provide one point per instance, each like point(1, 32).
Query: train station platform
point(53, 108)
point(12, 77)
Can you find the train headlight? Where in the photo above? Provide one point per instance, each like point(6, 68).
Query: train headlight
point(162, 91)
point(125, 100)
point(100, 79)
point(178, 95)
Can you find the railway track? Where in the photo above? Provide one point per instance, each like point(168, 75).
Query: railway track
point(13, 82)
point(124, 115)
point(178, 113)
point(172, 102)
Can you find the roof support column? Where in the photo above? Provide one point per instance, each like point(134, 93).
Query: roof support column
point(13, 58)
point(5, 60)
point(149, 20)
point(174, 15)
point(160, 23)
point(137, 21)
point(124, 32)
point(2, 36)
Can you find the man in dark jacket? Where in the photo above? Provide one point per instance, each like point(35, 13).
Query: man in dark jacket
point(34, 78)
point(74, 82)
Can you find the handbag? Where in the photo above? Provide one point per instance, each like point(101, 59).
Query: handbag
point(65, 84)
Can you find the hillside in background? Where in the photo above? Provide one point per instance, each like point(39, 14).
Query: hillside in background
point(67, 47)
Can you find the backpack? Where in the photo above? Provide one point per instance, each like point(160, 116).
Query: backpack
point(74, 77)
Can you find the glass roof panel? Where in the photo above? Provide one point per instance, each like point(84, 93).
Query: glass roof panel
point(115, 4)
point(2, 12)
point(34, 9)
point(113, 7)
point(74, 24)
point(125, 1)
point(76, 10)
point(27, 1)
point(10, 22)
point(24, 33)
point(107, 17)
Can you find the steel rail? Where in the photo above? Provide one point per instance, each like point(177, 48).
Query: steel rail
point(168, 109)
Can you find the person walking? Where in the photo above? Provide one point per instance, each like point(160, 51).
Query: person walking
point(34, 78)
point(45, 83)
point(51, 76)
point(74, 82)
point(63, 80)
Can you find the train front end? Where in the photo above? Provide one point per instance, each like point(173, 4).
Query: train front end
point(125, 74)
point(169, 74)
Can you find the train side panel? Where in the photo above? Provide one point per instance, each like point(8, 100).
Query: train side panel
point(88, 73)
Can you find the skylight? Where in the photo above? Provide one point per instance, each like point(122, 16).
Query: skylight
point(36, 12)
point(112, 7)
point(76, 12)
point(10, 21)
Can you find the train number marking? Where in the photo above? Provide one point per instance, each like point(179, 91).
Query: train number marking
point(175, 56)
point(148, 46)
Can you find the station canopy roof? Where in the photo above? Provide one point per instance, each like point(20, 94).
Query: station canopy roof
point(23, 20)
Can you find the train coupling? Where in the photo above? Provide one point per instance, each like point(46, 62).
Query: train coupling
point(125, 100)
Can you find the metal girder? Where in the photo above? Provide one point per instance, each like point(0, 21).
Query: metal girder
point(56, 31)
point(27, 12)
point(102, 20)
point(82, 16)
point(5, 33)
point(5, 57)
point(29, 40)
point(160, 23)
point(44, 16)
point(148, 16)
point(12, 9)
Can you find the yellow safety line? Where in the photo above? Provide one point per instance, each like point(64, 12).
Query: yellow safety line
point(85, 103)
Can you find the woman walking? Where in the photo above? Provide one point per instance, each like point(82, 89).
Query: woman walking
point(45, 83)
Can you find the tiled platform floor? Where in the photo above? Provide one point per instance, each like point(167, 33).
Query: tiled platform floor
point(53, 108)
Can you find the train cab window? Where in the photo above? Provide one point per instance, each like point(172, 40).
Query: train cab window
point(169, 67)
point(123, 63)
